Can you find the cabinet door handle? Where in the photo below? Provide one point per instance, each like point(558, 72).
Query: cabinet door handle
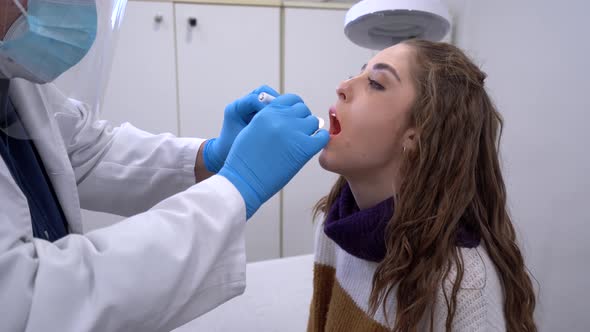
point(192, 22)
point(158, 18)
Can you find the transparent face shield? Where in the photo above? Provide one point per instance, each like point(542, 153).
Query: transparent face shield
point(86, 79)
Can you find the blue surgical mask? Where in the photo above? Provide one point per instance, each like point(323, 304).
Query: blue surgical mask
point(57, 35)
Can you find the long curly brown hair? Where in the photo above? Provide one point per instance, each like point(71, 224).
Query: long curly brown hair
point(452, 178)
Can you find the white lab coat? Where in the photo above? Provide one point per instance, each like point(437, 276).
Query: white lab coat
point(155, 271)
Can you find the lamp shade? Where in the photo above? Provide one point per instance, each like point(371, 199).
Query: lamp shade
point(377, 24)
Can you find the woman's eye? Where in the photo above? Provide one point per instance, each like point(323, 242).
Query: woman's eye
point(375, 85)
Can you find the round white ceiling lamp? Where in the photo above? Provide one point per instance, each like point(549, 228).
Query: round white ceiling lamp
point(377, 24)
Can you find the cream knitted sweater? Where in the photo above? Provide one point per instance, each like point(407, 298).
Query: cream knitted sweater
point(342, 285)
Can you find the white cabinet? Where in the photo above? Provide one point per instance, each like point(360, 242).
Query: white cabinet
point(223, 53)
point(142, 85)
point(317, 57)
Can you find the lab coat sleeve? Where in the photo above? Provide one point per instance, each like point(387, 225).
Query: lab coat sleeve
point(123, 170)
point(152, 272)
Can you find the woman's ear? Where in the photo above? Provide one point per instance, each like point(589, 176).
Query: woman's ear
point(410, 139)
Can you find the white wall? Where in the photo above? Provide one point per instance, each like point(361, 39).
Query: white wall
point(536, 55)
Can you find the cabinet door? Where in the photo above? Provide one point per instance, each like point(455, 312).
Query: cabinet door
point(224, 52)
point(142, 84)
point(317, 57)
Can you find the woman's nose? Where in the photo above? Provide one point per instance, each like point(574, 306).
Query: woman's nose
point(343, 90)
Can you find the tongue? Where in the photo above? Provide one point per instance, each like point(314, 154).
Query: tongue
point(335, 126)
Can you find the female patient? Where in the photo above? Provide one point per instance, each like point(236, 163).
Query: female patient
point(416, 235)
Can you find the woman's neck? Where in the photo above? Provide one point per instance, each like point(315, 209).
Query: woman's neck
point(372, 188)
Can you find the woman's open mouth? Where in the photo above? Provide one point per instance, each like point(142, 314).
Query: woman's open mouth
point(334, 123)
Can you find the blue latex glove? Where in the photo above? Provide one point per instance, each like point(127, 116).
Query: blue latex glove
point(272, 149)
point(236, 117)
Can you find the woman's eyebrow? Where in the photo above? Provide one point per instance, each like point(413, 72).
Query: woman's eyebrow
point(384, 66)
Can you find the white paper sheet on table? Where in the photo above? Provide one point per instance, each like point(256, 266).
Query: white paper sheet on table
point(277, 297)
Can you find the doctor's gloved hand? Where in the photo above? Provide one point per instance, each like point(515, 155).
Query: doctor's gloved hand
point(272, 149)
point(236, 117)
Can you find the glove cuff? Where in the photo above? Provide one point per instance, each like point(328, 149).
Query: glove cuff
point(212, 163)
point(251, 198)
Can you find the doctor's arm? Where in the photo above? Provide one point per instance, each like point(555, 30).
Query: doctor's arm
point(159, 269)
point(125, 170)
point(152, 272)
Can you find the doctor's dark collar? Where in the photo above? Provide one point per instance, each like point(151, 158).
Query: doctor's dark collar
point(4, 86)
point(361, 233)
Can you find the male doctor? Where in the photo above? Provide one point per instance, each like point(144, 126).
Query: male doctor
point(181, 251)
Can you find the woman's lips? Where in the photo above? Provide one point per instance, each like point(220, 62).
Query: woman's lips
point(334, 123)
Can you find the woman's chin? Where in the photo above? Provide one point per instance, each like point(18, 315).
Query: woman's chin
point(324, 160)
point(327, 161)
